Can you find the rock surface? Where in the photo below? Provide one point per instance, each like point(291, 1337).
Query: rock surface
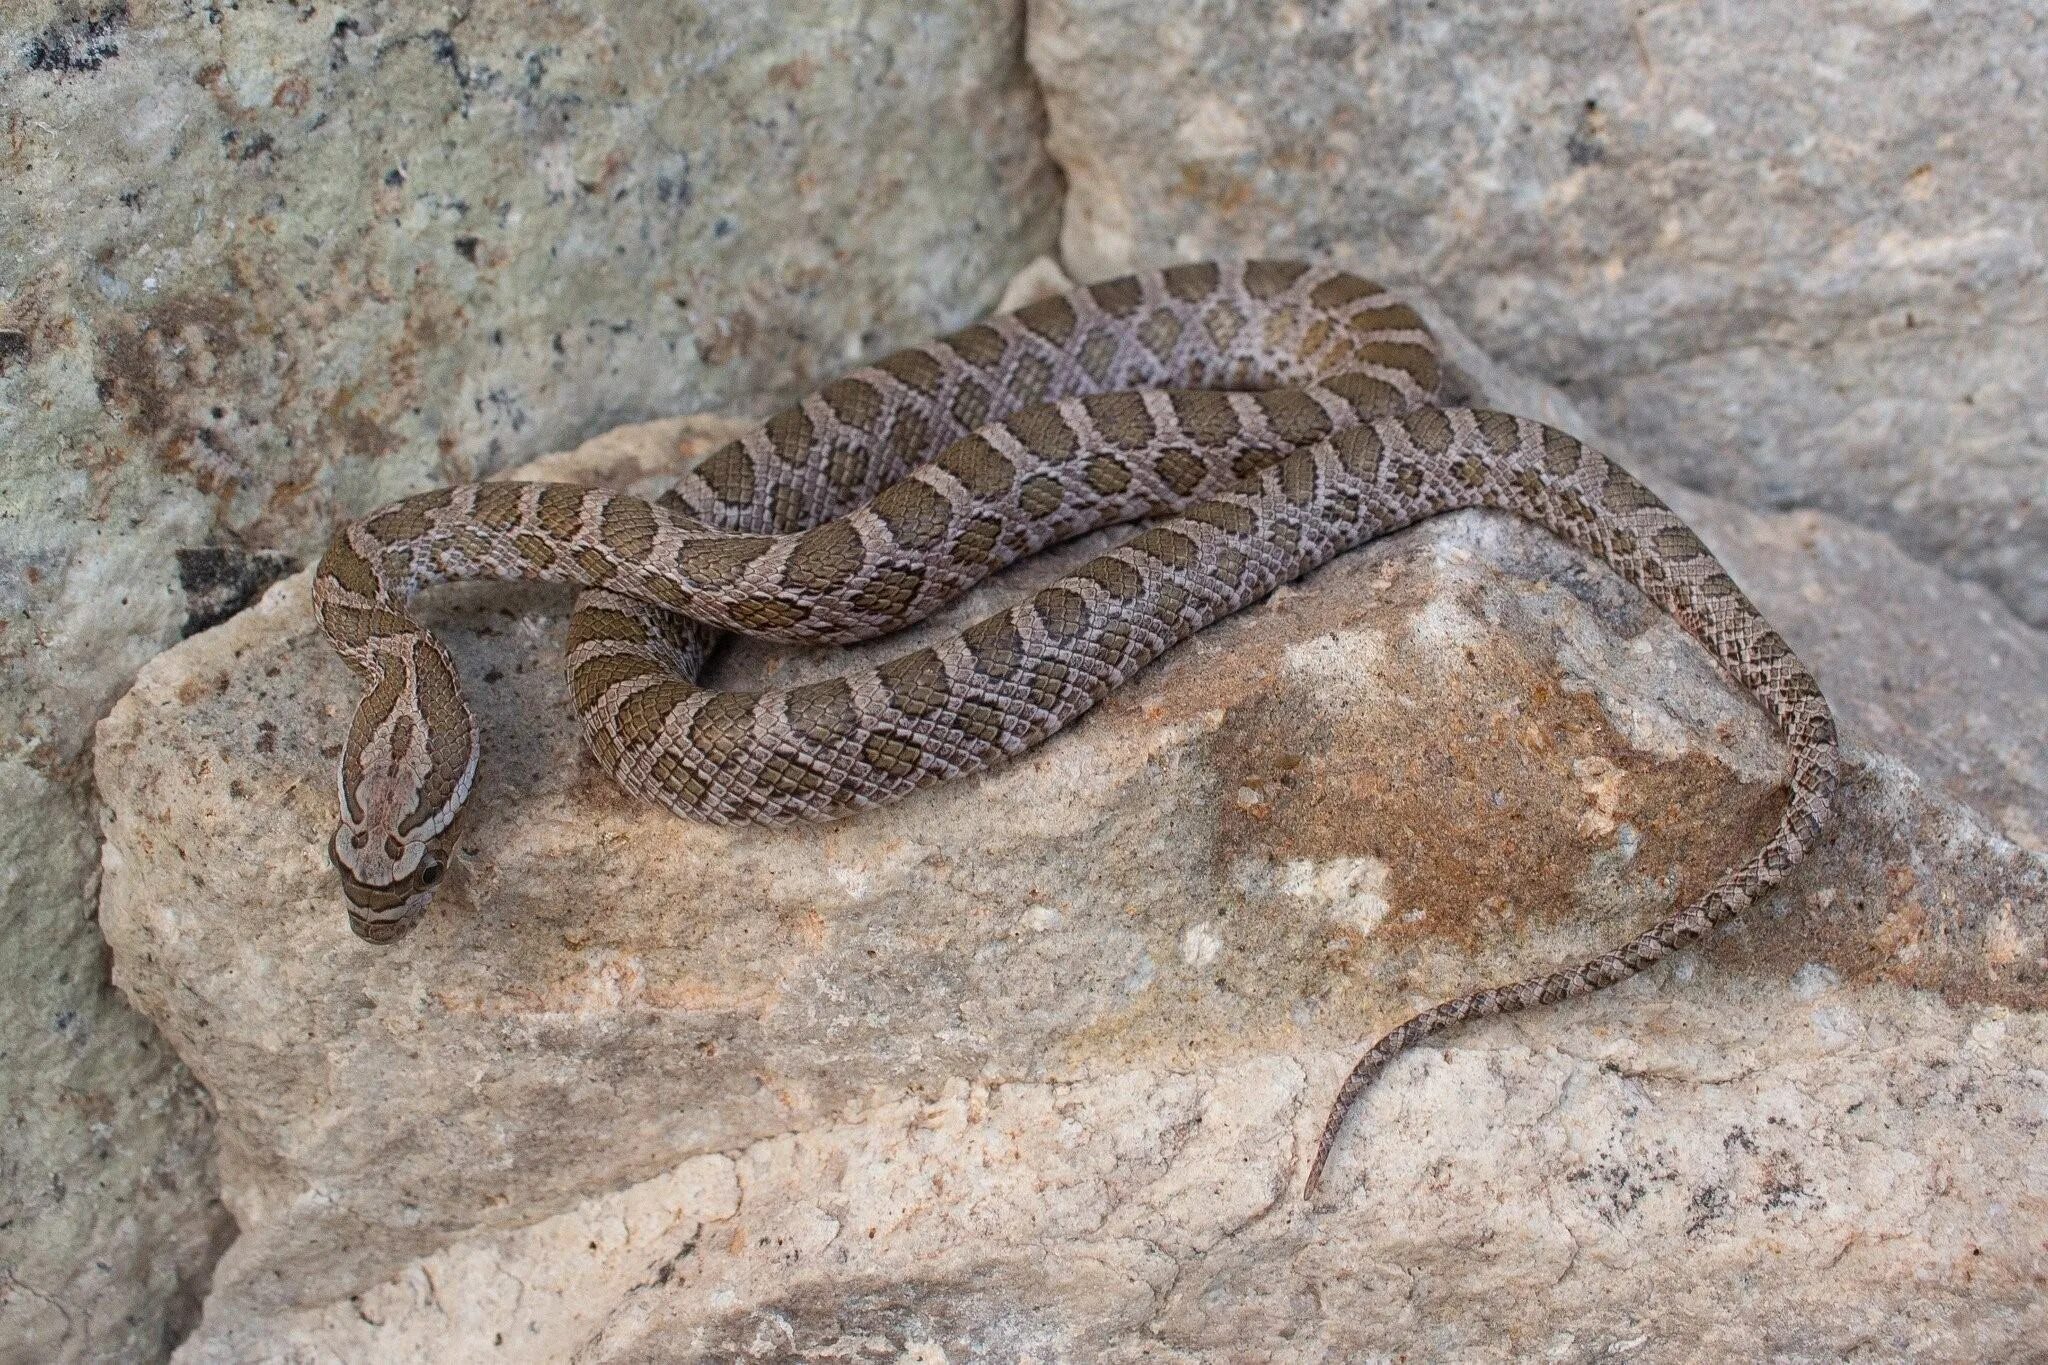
point(1938, 672)
point(1799, 273)
point(263, 266)
point(1027, 1066)
point(109, 1219)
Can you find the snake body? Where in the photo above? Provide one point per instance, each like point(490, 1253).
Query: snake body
point(1273, 414)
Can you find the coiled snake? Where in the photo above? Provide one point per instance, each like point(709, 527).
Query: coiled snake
point(1275, 414)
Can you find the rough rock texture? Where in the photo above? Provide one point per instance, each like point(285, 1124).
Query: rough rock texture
point(109, 1219)
point(1937, 671)
point(1803, 272)
point(265, 265)
point(1232, 788)
point(1028, 1066)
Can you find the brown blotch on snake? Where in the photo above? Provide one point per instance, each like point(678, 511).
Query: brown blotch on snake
point(1341, 444)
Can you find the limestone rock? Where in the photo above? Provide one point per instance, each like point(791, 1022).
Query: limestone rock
point(264, 266)
point(1938, 672)
point(1027, 1065)
point(1281, 798)
point(1798, 273)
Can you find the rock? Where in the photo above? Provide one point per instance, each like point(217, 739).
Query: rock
point(1224, 809)
point(1040, 280)
point(267, 266)
point(1782, 1166)
point(1028, 1065)
point(1777, 271)
point(109, 1221)
point(1937, 672)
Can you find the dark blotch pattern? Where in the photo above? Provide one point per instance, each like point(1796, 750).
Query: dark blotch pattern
point(1118, 298)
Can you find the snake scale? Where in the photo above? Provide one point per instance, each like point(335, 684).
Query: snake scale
point(1267, 415)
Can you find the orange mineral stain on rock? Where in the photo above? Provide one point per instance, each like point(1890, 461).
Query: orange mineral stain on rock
point(1402, 813)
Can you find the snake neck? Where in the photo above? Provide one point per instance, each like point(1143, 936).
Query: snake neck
point(410, 755)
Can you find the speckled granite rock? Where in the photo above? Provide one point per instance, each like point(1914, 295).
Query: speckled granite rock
point(945, 1078)
point(264, 265)
point(1798, 272)
point(109, 1220)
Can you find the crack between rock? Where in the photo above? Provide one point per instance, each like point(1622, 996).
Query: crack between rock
point(8, 1276)
point(1671, 1076)
point(1571, 1262)
point(1057, 254)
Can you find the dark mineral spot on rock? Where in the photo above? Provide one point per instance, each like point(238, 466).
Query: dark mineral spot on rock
point(219, 580)
point(465, 247)
point(673, 189)
point(80, 45)
point(442, 44)
point(337, 42)
point(1331, 47)
point(1587, 144)
point(1709, 1204)
point(247, 149)
point(13, 348)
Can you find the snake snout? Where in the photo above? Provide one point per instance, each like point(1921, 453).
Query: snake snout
point(384, 916)
point(383, 908)
point(381, 931)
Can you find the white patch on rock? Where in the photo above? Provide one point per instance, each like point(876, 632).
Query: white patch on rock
point(1605, 783)
point(1443, 626)
point(1988, 1034)
point(1693, 123)
point(856, 881)
point(1335, 656)
point(1214, 129)
point(1042, 279)
point(1812, 980)
point(1351, 890)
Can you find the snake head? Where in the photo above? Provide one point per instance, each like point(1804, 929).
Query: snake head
point(406, 769)
point(388, 882)
point(393, 843)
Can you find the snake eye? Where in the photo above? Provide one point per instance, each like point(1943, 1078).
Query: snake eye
point(430, 872)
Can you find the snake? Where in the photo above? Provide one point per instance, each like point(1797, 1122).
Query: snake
point(1261, 417)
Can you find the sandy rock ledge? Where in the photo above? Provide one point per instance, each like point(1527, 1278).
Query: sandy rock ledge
point(1028, 1067)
